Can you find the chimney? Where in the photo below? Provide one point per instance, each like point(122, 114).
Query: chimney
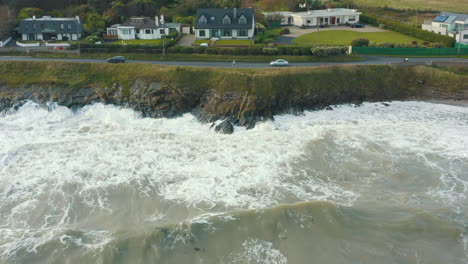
point(309, 12)
point(34, 17)
point(235, 12)
point(78, 18)
point(156, 20)
point(162, 19)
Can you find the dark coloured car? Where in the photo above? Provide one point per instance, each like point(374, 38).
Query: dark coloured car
point(116, 59)
point(356, 25)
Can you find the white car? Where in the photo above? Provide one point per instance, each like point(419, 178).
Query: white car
point(279, 63)
point(204, 45)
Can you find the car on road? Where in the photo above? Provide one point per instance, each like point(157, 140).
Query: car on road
point(204, 45)
point(59, 48)
point(357, 25)
point(116, 59)
point(279, 62)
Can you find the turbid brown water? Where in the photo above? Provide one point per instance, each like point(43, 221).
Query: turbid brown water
point(372, 184)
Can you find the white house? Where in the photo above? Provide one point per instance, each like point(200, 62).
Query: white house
point(331, 16)
point(142, 28)
point(449, 24)
point(51, 28)
point(225, 23)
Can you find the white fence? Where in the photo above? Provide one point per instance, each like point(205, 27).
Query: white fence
point(5, 42)
point(27, 45)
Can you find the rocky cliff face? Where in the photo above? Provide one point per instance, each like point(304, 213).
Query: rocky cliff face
point(244, 107)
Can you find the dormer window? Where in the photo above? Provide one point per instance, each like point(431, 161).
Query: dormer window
point(212, 19)
point(242, 20)
point(202, 19)
point(226, 20)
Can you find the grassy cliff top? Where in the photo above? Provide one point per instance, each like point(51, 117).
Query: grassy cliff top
point(71, 75)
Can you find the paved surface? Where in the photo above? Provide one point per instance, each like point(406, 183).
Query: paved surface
point(371, 60)
point(186, 40)
point(286, 40)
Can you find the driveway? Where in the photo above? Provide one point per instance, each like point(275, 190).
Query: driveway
point(186, 40)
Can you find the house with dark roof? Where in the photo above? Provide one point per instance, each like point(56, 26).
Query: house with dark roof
point(225, 23)
point(51, 28)
point(449, 24)
point(142, 28)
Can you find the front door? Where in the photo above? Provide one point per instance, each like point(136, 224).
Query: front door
point(215, 33)
point(333, 20)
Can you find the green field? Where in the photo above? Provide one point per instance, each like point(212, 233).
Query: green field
point(234, 42)
point(458, 6)
point(344, 38)
point(140, 42)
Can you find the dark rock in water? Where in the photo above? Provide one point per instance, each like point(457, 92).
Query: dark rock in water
point(225, 127)
point(248, 122)
point(386, 104)
point(329, 108)
point(197, 249)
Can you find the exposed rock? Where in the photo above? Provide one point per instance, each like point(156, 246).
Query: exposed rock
point(329, 108)
point(385, 104)
point(225, 127)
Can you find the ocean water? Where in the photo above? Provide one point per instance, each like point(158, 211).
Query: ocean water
point(369, 184)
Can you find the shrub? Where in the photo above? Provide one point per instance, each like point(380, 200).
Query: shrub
point(414, 42)
point(199, 50)
point(186, 50)
point(296, 52)
point(360, 42)
point(270, 51)
point(284, 31)
point(328, 51)
point(425, 43)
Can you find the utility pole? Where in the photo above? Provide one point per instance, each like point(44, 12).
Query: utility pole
point(459, 41)
point(318, 32)
point(164, 35)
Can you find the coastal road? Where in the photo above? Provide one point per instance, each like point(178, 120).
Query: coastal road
point(370, 60)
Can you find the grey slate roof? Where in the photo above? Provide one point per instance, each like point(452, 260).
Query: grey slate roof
point(147, 23)
point(219, 13)
point(50, 25)
point(462, 17)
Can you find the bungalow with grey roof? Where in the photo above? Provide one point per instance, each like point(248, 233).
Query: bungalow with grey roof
point(142, 28)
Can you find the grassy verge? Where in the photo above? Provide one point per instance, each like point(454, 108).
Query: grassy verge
point(344, 38)
point(234, 42)
point(203, 57)
point(139, 42)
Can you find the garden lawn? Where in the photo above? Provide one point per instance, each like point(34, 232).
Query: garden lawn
point(344, 38)
point(234, 42)
point(140, 42)
point(200, 41)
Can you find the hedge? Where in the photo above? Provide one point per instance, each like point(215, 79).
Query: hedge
point(121, 48)
point(408, 30)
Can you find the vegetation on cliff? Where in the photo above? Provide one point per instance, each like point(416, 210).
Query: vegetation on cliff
point(243, 95)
